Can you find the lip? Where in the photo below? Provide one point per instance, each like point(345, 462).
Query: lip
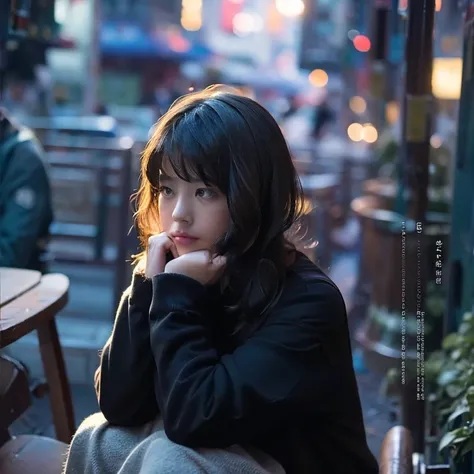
point(183, 239)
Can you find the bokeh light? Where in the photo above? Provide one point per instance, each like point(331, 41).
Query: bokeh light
point(318, 78)
point(362, 43)
point(436, 141)
point(446, 79)
point(392, 112)
point(191, 15)
point(358, 105)
point(245, 23)
point(355, 132)
point(352, 34)
point(369, 133)
point(290, 8)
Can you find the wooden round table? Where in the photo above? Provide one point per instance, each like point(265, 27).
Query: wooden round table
point(30, 302)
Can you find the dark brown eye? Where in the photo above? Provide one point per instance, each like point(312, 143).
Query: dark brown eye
point(206, 193)
point(165, 191)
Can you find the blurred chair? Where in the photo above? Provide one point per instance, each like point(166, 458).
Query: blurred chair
point(25, 454)
point(396, 455)
point(92, 181)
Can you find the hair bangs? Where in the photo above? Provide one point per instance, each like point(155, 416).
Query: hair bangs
point(193, 150)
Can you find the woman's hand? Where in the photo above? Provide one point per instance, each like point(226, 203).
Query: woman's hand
point(158, 246)
point(200, 266)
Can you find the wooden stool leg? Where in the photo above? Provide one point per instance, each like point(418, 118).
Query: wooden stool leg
point(59, 389)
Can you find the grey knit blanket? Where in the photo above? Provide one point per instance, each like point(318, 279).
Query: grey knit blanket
point(99, 448)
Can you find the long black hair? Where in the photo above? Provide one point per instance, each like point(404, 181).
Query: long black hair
point(230, 141)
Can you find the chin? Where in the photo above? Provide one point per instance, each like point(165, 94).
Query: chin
point(185, 250)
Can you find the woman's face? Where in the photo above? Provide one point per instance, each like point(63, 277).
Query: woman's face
point(194, 215)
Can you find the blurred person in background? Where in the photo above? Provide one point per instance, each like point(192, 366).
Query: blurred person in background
point(20, 96)
point(293, 107)
point(25, 197)
point(322, 118)
point(28, 84)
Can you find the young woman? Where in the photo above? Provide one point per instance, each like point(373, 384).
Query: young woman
point(228, 335)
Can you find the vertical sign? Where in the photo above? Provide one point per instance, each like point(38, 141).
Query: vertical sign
point(318, 26)
point(229, 9)
point(402, 7)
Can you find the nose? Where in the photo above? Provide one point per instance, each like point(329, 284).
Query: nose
point(182, 211)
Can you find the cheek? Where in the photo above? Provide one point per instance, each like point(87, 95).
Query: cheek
point(165, 216)
point(221, 220)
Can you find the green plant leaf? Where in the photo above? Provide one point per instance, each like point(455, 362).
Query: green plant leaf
point(454, 390)
point(433, 366)
point(450, 341)
point(455, 437)
point(467, 447)
point(452, 438)
point(470, 400)
point(459, 411)
point(447, 377)
point(465, 328)
point(456, 354)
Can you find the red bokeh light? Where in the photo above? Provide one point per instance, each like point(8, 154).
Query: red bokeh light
point(362, 43)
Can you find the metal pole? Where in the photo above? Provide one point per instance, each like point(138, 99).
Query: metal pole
point(417, 121)
point(93, 59)
point(418, 101)
point(124, 222)
point(395, 54)
point(380, 17)
point(5, 16)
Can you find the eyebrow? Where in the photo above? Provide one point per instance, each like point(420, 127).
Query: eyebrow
point(165, 178)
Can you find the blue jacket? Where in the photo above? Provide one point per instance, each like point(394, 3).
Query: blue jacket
point(25, 199)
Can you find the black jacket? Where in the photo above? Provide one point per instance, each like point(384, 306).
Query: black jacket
point(289, 390)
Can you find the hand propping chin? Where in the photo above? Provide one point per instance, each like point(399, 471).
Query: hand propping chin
point(200, 266)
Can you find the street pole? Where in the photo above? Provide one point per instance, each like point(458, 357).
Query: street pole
point(395, 54)
point(418, 101)
point(5, 10)
point(380, 24)
point(93, 59)
point(416, 126)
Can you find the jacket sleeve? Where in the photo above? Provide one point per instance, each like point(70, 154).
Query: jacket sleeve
point(26, 199)
point(212, 401)
point(124, 380)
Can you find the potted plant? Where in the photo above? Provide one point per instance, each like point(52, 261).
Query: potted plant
point(450, 374)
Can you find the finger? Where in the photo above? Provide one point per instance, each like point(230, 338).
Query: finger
point(170, 245)
point(219, 261)
point(147, 271)
point(174, 250)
